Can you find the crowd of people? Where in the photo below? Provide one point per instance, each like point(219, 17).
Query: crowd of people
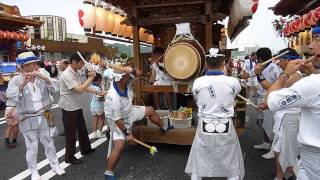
point(286, 91)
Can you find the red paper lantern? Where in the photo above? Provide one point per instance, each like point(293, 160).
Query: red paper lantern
point(9, 35)
point(25, 37)
point(294, 26)
point(87, 15)
point(316, 16)
point(300, 23)
point(305, 23)
point(1, 34)
point(15, 35)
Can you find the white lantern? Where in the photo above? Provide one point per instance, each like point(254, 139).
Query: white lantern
point(110, 22)
point(101, 19)
point(116, 28)
point(143, 36)
point(150, 39)
point(128, 32)
point(87, 16)
point(123, 27)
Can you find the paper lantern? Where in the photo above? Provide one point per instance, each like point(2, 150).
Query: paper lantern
point(128, 32)
point(309, 17)
point(150, 39)
point(15, 35)
point(25, 37)
point(315, 16)
point(1, 34)
point(294, 26)
point(143, 36)
point(21, 36)
point(117, 25)
point(305, 24)
point(110, 21)
point(101, 19)
point(123, 27)
point(87, 16)
point(299, 23)
point(9, 35)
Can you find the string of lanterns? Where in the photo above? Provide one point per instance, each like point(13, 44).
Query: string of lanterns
point(107, 18)
point(302, 23)
point(17, 36)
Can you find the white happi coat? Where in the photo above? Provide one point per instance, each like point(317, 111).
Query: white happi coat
point(216, 150)
point(304, 94)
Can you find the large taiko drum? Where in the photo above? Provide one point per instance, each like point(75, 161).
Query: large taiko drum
point(184, 59)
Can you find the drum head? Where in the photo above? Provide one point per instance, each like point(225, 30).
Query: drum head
point(182, 61)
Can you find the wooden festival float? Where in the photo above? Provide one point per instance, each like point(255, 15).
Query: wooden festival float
point(153, 22)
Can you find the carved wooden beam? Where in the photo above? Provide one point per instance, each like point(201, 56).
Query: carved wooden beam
point(170, 4)
point(170, 20)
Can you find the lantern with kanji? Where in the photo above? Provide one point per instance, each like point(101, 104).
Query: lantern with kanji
point(315, 16)
point(128, 32)
point(87, 16)
point(101, 19)
point(305, 24)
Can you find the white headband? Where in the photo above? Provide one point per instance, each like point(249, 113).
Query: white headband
point(213, 52)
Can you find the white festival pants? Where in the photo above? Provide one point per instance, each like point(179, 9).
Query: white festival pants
point(31, 139)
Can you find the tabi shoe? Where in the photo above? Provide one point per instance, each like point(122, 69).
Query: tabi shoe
point(269, 155)
point(58, 170)
point(264, 145)
point(100, 134)
point(109, 177)
point(35, 176)
point(74, 161)
point(88, 152)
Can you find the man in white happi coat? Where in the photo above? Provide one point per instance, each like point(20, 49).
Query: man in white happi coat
point(304, 94)
point(286, 126)
point(266, 75)
point(215, 150)
point(31, 90)
point(122, 114)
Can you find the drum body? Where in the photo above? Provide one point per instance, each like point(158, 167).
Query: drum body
point(184, 59)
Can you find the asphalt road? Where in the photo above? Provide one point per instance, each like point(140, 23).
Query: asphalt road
point(136, 162)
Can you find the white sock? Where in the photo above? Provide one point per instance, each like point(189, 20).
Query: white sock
point(109, 173)
point(195, 177)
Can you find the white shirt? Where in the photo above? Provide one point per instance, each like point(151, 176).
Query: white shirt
point(304, 94)
point(248, 69)
point(44, 72)
point(35, 97)
point(162, 78)
point(118, 107)
point(215, 95)
point(271, 74)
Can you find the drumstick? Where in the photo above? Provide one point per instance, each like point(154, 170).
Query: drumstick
point(270, 60)
point(10, 112)
point(310, 59)
point(248, 101)
point(152, 149)
point(85, 62)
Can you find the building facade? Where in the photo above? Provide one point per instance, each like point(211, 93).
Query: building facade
point(54, 28)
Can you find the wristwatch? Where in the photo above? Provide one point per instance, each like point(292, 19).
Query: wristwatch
point(125, 131)
point(260, 78)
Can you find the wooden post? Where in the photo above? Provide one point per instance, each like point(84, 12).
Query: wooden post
point(136, 53)
point(208, 25)
point(12, 51)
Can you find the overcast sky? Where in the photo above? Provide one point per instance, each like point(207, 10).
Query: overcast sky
point(259, 32)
